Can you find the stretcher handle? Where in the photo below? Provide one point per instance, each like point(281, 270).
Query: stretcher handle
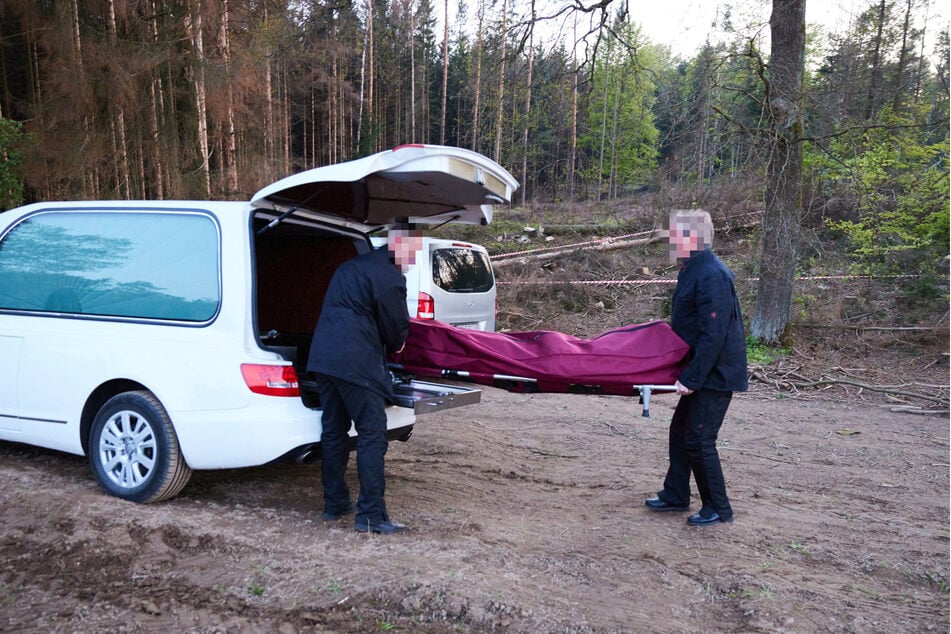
point(646, 395)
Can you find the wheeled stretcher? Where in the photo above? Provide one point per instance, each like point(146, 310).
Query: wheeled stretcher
point(633, 360)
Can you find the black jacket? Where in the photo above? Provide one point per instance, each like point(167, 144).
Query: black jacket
point(705, 313)
point(363, 318)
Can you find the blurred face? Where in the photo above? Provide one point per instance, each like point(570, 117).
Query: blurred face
point(403, 244)
point(687, 236)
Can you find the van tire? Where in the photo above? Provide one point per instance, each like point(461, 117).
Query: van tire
point(134, 451)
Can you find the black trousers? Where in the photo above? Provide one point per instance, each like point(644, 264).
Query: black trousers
point(693, 449)
point(342, 402)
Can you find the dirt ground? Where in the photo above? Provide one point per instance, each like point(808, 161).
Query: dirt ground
point(526, 515)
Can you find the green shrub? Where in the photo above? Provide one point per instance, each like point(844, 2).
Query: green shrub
point(759, 353)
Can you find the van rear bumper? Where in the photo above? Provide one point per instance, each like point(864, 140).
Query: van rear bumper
point(268, 429)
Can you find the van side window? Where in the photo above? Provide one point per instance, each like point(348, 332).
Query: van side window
point(116, 264)
point(462, 271)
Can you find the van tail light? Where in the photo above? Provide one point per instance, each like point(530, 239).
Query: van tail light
point(271, 380)
point(425, 306)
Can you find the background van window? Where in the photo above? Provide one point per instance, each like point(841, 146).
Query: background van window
point(462, 271)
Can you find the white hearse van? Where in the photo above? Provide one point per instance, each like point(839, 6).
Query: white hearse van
point(452, 281)
point(160, 337)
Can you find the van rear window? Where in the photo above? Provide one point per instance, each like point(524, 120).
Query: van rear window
point(121, 264)
point(462, 270)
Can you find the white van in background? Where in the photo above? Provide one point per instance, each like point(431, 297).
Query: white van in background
point(452, 282)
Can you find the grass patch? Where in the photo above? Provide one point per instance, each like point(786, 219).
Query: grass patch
point(760, 353)
point(255, 589)
point(761, 590)
point(938, 580)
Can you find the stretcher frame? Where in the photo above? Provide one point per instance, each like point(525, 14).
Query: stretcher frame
point(508, 382)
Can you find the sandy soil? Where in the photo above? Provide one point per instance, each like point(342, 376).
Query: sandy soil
point(526, 515)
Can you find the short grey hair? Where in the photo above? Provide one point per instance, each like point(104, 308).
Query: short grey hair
point(697, 219)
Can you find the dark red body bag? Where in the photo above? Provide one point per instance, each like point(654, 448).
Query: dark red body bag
point(614, 362)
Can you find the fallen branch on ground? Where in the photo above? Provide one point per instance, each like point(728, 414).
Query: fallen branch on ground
point(796, 382)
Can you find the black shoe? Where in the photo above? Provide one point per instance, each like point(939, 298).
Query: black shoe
point(386, 527)
point(699, 520)
point(329, 516)
point(657, 504)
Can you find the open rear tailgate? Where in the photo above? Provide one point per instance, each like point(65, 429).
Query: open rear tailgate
point(427, 184)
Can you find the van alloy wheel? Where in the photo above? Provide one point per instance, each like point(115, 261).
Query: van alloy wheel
point(134, 451)
point(127, 449)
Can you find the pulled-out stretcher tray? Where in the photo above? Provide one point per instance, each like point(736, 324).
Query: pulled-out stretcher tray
point(424, 398)
point(622, 361)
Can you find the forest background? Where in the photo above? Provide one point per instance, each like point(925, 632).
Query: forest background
point(168, 99)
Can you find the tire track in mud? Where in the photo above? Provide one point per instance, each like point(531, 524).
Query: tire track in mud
point(159, 579)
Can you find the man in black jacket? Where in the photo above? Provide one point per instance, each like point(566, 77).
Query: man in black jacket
point(364, 318)
point(705, 313)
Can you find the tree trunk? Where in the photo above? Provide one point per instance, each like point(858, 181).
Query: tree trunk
point(269, 103)
point(615, 107)
point(332, 121)
point(872, 97)
point(336, 115)
point(200, 100)
point(82, 85)
point(371, 74)
point(574, 112)
point(363, 84)
point(919, 76)
point(781, 221)
point(285, 79)
point(897, 101)
point(123, 184)
point(528, 103)
point(230, 142)
point(155, 90)
point(412, 73)
point(500, 113)
point(316, 140)
point(445, 73)
point(604, 131)
point(157, 163)
point(478, 80)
